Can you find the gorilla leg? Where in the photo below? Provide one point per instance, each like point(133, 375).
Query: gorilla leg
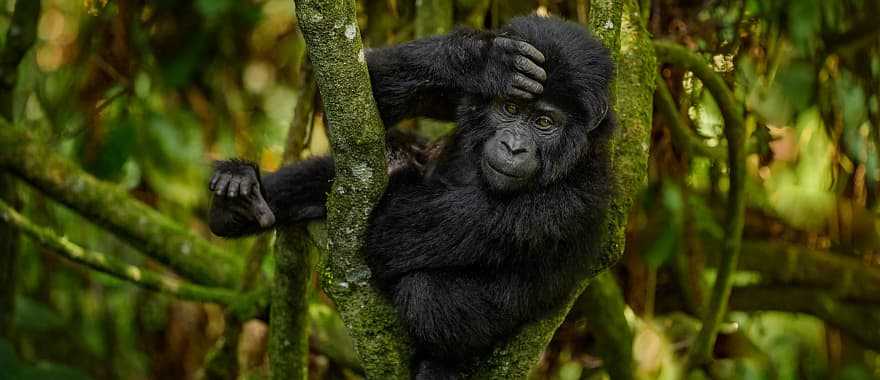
point(448, 314)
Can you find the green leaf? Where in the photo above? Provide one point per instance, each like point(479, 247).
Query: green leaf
point(33, 316)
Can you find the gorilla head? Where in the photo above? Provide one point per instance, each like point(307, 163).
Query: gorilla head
point(520, 144)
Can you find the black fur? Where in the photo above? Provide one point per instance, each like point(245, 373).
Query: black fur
point(464, 262)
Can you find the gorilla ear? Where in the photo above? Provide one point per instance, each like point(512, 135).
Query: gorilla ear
point(598, 112)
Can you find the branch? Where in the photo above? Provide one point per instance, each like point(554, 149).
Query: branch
point(113, 266)
point(602, 304)
point(858, 321)
point(846, 277)
point(678, 126)
point(734, 132)
point(110, 207)
point(337, 55)
point(294, 261)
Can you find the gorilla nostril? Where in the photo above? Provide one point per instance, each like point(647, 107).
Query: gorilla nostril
point(518, 151)
point(506, 145)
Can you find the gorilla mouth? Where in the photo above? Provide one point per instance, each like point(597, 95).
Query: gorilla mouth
point(499, 171)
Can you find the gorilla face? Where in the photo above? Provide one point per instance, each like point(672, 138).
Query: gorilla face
point(511, 157)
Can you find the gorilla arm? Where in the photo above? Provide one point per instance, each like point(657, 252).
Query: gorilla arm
point(244, 204)
point(425, 77)
point(429, 76)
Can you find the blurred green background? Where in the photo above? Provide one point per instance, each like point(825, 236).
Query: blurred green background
point(145, 94)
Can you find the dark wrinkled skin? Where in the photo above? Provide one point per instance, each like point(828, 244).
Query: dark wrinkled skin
point(493, 227)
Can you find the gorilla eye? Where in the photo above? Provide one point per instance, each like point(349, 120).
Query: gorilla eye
point(544, 122)
point(511, 108)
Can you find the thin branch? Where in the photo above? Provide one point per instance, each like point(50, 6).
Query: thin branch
point(678, 126)
point(785, 263)
point(110, 207)
point(734, 131)
point(294, 261)
point(111, 265)
point(860, 321)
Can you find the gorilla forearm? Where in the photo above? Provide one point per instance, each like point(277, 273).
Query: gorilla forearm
point(430, 76)
point(298, 192)
point(245, 204)
point(425, 77)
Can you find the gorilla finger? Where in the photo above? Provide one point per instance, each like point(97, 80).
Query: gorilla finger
point(222, 183)
point(232, 191)
point(520, 94)
point(213, 184)
point(526, 66)
point(520, 47)
point(524, 83)
point(506, 43)
point(245, 186)
point(529, 51)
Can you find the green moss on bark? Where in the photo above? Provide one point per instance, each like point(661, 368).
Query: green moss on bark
point(337, 55)
point(603, 305)
point(110, 207)
point(288, 321)
point(113, 266)
point(288, 318)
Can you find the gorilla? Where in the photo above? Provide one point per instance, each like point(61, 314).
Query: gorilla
point(490, 229)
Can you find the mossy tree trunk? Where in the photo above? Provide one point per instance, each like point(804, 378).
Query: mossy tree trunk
point(358, 141)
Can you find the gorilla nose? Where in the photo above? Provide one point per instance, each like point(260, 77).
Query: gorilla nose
point(514, 145)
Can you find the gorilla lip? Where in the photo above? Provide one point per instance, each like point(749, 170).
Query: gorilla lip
point(499, 171)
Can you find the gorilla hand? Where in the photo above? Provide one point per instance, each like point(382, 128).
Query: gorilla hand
point(238, 202)
point(516, 68)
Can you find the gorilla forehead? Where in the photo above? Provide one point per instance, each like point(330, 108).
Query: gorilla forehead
point(579, 68)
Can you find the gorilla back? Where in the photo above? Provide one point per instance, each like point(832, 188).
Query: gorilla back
point(495, 229)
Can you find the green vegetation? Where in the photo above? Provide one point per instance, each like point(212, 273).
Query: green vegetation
point(746, 237)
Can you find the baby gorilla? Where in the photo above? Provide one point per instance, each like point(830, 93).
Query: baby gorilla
point(497, 227)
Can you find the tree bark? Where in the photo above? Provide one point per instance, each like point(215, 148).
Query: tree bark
point(358, 141)
point(294, 261)
point(108, 206)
